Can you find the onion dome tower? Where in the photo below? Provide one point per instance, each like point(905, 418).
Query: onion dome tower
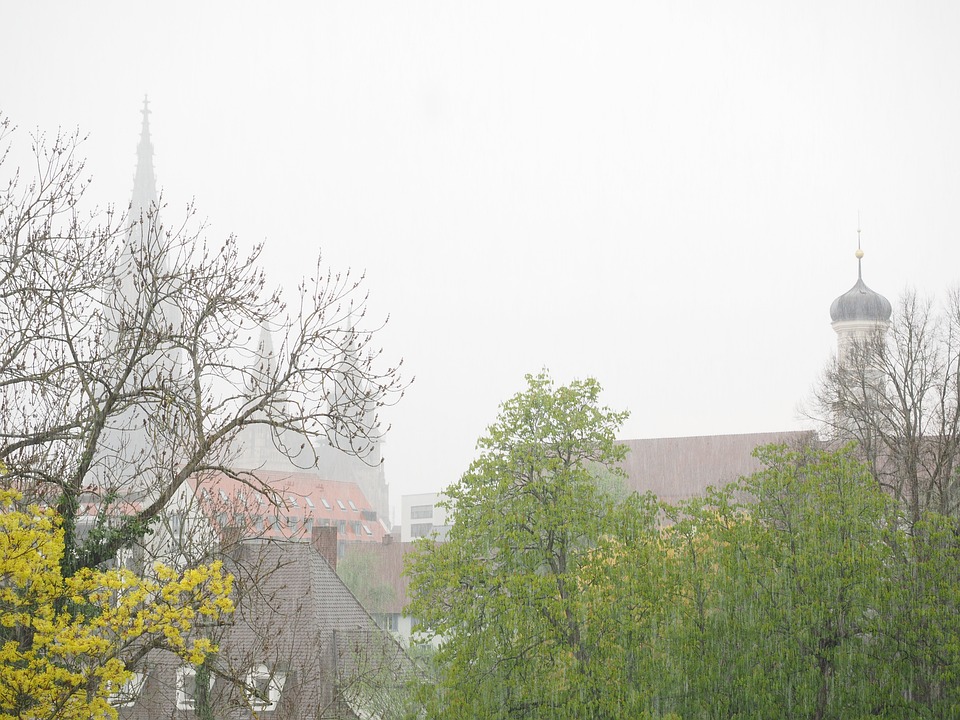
point(860, 314)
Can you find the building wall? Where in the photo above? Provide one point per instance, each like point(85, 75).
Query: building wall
point(420, 516)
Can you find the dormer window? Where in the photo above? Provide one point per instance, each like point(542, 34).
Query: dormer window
point(187, 687)
point(264, 687)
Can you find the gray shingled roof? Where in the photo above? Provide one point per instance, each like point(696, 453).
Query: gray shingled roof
point(296, 617)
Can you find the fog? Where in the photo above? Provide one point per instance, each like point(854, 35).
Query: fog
point(663, 196)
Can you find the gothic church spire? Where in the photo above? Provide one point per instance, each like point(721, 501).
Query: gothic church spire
point(145, 180)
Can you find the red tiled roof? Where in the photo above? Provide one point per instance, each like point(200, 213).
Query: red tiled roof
point(286, 505)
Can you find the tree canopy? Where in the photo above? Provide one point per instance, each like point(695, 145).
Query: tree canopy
point(516, 593)
point(139, 355)
point(796, 592)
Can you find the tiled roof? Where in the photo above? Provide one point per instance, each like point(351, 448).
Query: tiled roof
point(387, 566)
point(682, 467)
point(294, 615)
point(282, 505)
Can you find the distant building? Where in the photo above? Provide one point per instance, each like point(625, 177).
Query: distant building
point(298, 646)
point(130, 448)
point(265, 450)
point(386, 595)
point(421, 516)
point(679, 468)
point(287, 506)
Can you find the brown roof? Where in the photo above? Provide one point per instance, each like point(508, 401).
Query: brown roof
point(682, 467)
point(385, 566)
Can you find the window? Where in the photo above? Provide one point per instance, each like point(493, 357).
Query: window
point(309, 503)
point(223, 496)
point(352, 506)
point(128, 693)
point(355, 526)
point(388, 621)
point(264, 688)
point(341, 526)
point(419, 512)
point(292, 521)
point(258, 522)
point(326, 504)
point(367, 530)
point(308, 523)
point(341, 505)
point(187, 687)
point(420, 529)
point(293, 501)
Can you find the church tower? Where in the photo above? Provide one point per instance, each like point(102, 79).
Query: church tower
point(134, 448)
point(860, 315)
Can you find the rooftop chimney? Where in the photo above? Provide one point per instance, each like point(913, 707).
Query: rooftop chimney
point(324, 539)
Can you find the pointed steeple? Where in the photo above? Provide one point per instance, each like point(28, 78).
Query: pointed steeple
point(264, 365)
point(144, 181)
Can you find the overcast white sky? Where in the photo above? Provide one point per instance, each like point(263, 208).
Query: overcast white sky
point(660, 195)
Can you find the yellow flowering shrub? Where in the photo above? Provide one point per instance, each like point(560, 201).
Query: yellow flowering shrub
point(63, 640)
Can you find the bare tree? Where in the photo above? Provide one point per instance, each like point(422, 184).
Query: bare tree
point(897, 396)
point(133, 356)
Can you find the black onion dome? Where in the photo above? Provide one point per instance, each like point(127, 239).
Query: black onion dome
point(861, 303)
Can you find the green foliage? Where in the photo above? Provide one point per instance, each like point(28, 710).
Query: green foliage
point(519, 592)
point(797, 592)
point(921, 635)
point(802, 599)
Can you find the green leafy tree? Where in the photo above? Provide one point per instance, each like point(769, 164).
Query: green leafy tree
point(517, 592)
point(920, 635)
point(784, 592)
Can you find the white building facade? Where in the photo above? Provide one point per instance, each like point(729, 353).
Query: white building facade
point(421, 516)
